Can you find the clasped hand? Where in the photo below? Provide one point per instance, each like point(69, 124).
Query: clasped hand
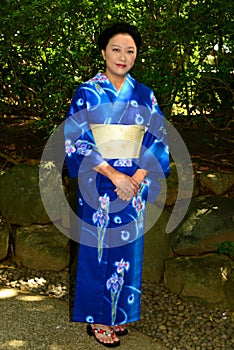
point(126, 186)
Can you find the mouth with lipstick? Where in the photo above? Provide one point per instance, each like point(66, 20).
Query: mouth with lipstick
point(121, 65)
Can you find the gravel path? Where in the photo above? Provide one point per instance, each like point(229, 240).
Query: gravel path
point(166, 318)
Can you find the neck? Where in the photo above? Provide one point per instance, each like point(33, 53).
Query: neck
point(116, 81)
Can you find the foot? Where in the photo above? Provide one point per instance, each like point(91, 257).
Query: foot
point(120, 329)
point(103, 334)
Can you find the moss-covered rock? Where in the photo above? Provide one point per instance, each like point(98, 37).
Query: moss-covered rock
point(42, 247)
point(208, 279)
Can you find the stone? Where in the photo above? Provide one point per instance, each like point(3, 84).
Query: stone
point(172, 185)
point(208, 222)
point(52, 191)
point(157, 244)
point(4, 239)
point(20, 200)
point(208, 279)
point(217, 182)
point(20, 196)
point(229, 288)
point(41, 247)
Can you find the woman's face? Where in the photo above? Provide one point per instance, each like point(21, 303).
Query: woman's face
point(120, 55)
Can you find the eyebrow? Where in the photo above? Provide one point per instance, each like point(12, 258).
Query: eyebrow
point(129, 47)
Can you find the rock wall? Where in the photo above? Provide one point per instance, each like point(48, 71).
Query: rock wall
point(187, 258)
point(4, 239)
point(205, 279)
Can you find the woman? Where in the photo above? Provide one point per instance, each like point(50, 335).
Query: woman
point(116, 145)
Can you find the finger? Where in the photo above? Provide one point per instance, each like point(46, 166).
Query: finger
point(127, 184)
point(126, 189)
point(134, 182)
point(124, 196)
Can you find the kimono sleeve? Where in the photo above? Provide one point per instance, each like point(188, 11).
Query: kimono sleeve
point(155, 151)
point(80, 148)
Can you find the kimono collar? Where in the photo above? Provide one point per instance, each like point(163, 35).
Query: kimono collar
point(124, 95)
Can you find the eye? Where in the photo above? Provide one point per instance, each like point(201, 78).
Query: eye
point(115, 49)
point(131, 52)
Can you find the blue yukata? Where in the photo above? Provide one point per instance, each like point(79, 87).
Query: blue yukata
point(111, 231)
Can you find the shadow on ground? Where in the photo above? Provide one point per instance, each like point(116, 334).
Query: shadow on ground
point(33, 322)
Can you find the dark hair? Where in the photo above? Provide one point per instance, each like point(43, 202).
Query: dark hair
point(118, 28)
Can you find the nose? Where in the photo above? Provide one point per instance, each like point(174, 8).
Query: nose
point(122, 56)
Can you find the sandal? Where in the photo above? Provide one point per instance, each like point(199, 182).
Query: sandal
point(93, 331)
point(120, 330)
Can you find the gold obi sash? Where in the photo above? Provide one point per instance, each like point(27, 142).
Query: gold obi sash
point(116, 141)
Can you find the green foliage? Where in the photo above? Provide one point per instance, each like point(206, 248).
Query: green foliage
point(226, 248)
point(49, 47)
